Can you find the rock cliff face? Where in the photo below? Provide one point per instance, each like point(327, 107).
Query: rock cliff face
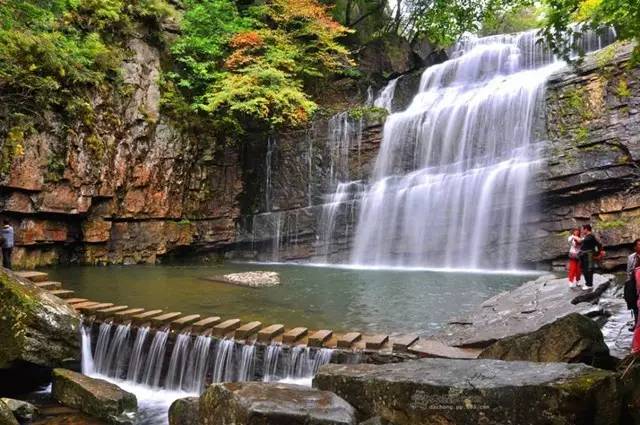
point(142, 190)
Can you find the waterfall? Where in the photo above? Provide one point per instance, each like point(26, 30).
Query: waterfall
point(117, 354)
point(271, 146)
point(223, 365)
point(155, 359)
point(136, 363)
point(178, 362)
point(86, 356)
point(304, 362)
point(102, 345)
point(247, 363)
point(197, 364)
point(271, 358)
point(385, 98)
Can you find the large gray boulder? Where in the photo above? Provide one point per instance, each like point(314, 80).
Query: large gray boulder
point(470, 392)
point(6, 416)
point(22, 410)
point(185, 411)
point(258, 403)
point(95, 397)
point(572, 339)
point(35, 326)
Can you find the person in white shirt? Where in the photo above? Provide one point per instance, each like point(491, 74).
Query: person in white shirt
point(573, 267)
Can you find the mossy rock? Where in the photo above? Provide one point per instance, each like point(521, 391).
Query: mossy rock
point(95, 397)
point(184, 411)
point(35, 326)
point(6, 416)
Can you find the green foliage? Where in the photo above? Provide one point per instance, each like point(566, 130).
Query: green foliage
point(612, 224)
point(514, 18)
point(256, 68)
point(368, 113)
point(624, 15)
point(622, 89)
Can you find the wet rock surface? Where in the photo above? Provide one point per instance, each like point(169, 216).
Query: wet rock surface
point(445, 391)
point(6, 415)
point(572, 339)
point(35, 326)
point(22, 410)
point(95, 397)
point(185, 411)
point(272, 404)
point(251, 279)
point(521, 311)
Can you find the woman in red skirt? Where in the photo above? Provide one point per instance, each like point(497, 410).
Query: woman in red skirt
point(574, 263)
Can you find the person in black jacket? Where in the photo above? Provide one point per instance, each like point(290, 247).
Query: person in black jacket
point(590, 249)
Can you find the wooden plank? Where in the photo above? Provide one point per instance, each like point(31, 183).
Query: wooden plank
point(75, 300)
point(62, 293)
point(141, 318)
point(33, 275)
point(165, 318)
point(318, 338)
point(267, 334)
point(221, 329)
point(127, 314)
point(93, 308)
point(49, 285)
point(376, 342)
point(402, 343)
point(293, 335)
point(183, 321)
point(348, 339)
point(245, 331)
point(205, 323)
point(108, 312)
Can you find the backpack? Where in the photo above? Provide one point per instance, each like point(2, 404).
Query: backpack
point(630, 292)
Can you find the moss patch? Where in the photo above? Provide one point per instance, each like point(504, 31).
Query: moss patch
point(15, 309)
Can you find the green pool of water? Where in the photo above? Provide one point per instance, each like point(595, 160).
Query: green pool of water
point(315, 297)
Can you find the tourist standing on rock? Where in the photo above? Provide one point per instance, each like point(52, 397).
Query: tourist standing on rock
point(632, 286)
point(575, 272)
point(590, 250)
point(6, 233)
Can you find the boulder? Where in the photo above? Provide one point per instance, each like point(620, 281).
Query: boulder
point(35, 326)
point(572, 339)
point(262, 403)
point(522, 310)
point(95, 397)
point(629, 378)
point(6, 416)
point(184, 411)
point(22, 410)
point(461, 392)
point(387, 56)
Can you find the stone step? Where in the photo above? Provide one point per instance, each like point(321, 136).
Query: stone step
point(141, 318)
point(267, 334)
point(165, 318)
point(203, 324)
point(81, 306)
point(376, 342)
point(62, 293)
point(72, 301)
point(93, 308)
point(318, 338)
point(33, 275)
point(127, 314)
point(348, 339)
point(183, 321)
point(433, 348)
point(403, 342)
point(49, 285)
point(221, 329)
point(245, 331)
point(108, 312)
point(293, 335)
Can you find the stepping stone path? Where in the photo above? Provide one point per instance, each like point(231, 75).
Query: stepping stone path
point(92, 308)
point(205, 323)
point(33, 276)
point(62, 293)
point(294, 335)
point(402, 343)
point(126, 314)
point(146, 316)
point(270, 332)
point(165, 318)
point(226, 327)
point(108, 312)
point(245, 331)
point(376, 342)
point(183, 321)
point(48, 285)
point(319, 338)
point(348, 339)
point(72, 301)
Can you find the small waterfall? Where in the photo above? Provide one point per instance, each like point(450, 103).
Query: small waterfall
point(385, 98)
point(197, 364)
point(118, 352)
point(102, 346)
point(178, 362)
point(271, 146)
point(136, 363)
point(271, 358)
point(304, 362)
point(87, 357)
point(277, 235)
point(155, 359)
point(223, 365)
point(247, 363)
point(344, 133)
